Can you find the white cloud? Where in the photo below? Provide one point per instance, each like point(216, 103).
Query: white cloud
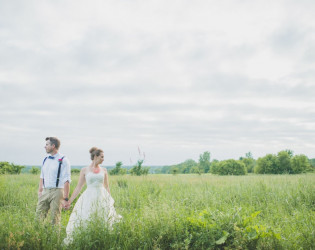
point(177, 78)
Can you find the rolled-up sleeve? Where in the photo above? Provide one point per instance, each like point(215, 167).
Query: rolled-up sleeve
point(66, 171)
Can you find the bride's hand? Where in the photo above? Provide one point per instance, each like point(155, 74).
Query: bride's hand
point(64, 204)
point(68, 204)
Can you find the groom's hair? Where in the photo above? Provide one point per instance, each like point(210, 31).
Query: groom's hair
point(54, 141)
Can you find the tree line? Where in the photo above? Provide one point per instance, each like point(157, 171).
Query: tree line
point(137, 169)
point(284, 162)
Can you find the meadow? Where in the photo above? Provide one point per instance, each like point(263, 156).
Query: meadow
point(174, 212)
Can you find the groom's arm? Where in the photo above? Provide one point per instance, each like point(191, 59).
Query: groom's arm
point(66, 173)
point(66, 189)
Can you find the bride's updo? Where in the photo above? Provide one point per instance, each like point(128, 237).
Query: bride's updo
point(95, 152)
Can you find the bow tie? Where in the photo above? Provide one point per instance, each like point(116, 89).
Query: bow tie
point(51, 157)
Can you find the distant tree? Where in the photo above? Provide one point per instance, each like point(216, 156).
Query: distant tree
point(166, 170)
point(136, 170)
point(185, 166)
point(35, 170)
point(290, 152)
point(174, 170)
point(300, 164)
point(145, 170)
point(158, 171)
point(4, 167)
point(204, 162)
point(10, 168)
point(139, 170)
point(214, 166)
point(267, 164)
point(75, 171)
point(118, 170)
point(123, 171)
point(249, 162)
point(16, 169)
point(312, 165)
point(283, 162)
point(229, 167)
point(249, 155)
point(196, 170)
point(185, 169)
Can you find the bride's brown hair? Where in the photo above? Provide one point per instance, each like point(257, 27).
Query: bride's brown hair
point(95, 152)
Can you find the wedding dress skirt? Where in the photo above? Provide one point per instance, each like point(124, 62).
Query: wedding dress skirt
point(94, 201)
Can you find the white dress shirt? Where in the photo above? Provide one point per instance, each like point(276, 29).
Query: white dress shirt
point(49, 171)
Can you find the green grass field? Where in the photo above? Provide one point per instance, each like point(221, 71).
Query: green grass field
point(174, 212)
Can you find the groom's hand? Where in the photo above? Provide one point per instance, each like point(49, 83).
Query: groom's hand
point(40, 193)
point(65, 204)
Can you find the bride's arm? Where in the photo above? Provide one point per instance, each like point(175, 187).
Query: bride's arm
point(106, 182)
point(79, 186)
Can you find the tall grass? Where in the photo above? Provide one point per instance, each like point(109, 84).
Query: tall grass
point(174, 212)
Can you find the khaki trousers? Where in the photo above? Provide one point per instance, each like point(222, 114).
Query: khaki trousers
point(50, 199)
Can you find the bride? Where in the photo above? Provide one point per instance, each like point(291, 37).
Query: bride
point(96, 199)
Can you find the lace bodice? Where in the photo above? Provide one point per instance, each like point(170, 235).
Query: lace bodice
point(94, 180)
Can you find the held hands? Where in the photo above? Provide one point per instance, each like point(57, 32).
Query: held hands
point(65, 204)
point(68, 205)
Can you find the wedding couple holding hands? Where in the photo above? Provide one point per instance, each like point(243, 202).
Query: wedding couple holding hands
point(54, 189)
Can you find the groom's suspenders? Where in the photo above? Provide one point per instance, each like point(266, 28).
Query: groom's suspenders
point(42, 167)
point(58, 175)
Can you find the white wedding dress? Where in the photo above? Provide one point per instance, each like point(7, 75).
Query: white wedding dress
point(95, 200)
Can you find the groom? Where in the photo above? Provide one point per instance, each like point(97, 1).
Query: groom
point(54, 184)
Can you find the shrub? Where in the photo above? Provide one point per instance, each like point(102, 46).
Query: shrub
point(229, 167)
point(4, 166)
point(10, 168)
point(283, 163)
point(249, 162)
point(174, 170)
point(196, 170)
point(118, 170)
point(139, 170)
point(16, 169)
point(35, 170)
point(300, 164)
point(204, 163)
point(75, 171)
point(267, 164)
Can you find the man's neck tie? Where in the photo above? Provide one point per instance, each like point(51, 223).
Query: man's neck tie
point(51, 157)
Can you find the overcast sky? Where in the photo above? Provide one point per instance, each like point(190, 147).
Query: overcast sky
point(175, 78)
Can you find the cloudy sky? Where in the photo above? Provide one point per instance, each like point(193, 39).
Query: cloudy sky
point(175, 78)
